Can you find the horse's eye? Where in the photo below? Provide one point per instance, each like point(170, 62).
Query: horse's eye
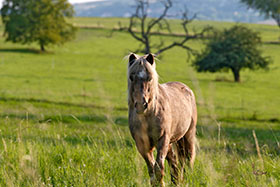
point(148, 89)
point(131, 77)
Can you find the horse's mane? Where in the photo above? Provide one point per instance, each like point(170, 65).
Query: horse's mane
point(136, 67)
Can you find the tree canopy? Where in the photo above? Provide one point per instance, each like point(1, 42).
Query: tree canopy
point(271, 8)
point(233, 49)
point(41, 21)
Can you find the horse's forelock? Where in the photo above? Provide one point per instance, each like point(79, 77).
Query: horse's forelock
point(137, 67)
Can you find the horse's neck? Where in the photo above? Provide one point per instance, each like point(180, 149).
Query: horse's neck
point(157, 99)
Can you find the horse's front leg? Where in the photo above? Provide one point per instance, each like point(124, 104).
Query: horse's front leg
point(149, 159)
point(146, 150)
point(162, 150)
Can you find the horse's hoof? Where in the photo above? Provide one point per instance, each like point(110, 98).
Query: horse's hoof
point(153, 181)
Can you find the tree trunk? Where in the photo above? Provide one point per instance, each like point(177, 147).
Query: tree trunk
point(277, 19)
point(147, 47)
point(236, 74)
point(278, 23)
point(42, 47)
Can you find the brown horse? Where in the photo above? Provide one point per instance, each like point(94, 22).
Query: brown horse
point(161, 116)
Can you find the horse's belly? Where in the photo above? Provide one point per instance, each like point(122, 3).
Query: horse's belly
point(180, 130)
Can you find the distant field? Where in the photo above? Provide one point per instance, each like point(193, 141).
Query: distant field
point(268, 32)
point(63, 115)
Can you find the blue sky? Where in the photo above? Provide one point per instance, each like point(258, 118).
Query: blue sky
point(82, 1)
point(71, 1)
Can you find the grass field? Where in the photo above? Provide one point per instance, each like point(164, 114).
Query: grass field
point(63, 114)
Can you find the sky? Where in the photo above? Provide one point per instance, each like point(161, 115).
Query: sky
point(81, 1)
point(71, 1)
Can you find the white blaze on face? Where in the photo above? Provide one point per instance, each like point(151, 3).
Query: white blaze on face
point(142, 74)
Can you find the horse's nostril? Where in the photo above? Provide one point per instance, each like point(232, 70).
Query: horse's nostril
point(145, 105)
point(135, 105)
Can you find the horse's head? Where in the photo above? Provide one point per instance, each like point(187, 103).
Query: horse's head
point(142, 82)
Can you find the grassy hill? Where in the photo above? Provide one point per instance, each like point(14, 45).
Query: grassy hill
point(63, 115)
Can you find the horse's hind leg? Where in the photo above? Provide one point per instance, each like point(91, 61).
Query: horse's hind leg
point(190, 146)
point(186, 149)
point(182, 156)
point(172, 161)
point(190, 141)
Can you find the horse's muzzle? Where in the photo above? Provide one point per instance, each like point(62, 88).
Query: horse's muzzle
point(140, 108)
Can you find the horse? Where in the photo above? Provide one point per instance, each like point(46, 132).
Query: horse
point(161, 117)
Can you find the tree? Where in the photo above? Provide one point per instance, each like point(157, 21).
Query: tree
point(41, 21)
point(271, 8)
point(140, 20)
point(232, 49)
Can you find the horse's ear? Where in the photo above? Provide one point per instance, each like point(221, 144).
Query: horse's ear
point(150, 59)
point(131, 59)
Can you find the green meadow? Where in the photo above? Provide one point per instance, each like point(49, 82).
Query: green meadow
point(63, 114)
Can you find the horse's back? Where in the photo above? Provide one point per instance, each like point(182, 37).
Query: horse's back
point(179, 87)
point(179, 92)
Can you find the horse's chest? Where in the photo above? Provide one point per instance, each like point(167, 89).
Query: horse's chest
point(144, 125)
point(147, 131)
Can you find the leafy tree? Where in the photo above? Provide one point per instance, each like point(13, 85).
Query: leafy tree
point(271, 8)
point(232, 49)
point(41, 21)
